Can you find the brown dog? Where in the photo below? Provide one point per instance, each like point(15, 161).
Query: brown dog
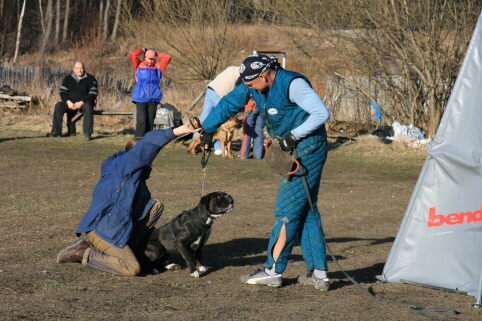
point(224, 135)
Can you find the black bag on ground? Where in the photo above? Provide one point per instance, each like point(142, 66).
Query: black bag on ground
point(383, 132)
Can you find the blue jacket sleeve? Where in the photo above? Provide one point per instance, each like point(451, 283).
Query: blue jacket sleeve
point(146, 149)
point(227, 107)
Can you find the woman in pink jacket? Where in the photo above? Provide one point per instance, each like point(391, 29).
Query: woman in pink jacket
point(147, 93)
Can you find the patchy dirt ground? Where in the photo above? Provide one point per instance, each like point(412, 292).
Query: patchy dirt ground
point(46, 186)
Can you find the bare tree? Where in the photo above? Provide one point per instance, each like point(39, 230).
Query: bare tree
point(106, 19)
point(198, 34)
point(41, 11)
point(57, 22)
point(405, 54)
point(19, 32)
point(48, 28)
point(101, 16)
point(66, 20)
point(2, 25)
point(116, 21)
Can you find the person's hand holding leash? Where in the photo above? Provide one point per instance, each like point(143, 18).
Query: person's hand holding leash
point(195, 122)
point(288, 142)
point(193, 126)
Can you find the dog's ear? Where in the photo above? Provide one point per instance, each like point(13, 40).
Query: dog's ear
point(212, 200)
point(204, 203)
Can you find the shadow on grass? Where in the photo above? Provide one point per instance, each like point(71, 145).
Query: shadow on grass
point(6, 139)
point(251, 252)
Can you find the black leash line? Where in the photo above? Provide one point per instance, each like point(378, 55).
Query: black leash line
point(414, 308)
point(204, 161)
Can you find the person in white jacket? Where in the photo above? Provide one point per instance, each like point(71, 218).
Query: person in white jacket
point(226, 81)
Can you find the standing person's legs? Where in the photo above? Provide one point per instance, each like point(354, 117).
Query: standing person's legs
point(59, 110)
point(291, 203)
point(311, 240)
point(258, 138)
point(311, 229)
point(248, 129)
point(211, 99)
point(88, 125)
point(151, 115)
point(287, 212)
point(141, 119)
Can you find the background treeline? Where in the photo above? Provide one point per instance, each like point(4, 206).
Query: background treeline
point(402, 55)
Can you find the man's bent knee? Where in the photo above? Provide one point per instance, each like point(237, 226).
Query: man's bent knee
point(131, 270)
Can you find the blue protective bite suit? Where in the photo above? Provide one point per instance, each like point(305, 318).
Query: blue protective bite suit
point(292, 209)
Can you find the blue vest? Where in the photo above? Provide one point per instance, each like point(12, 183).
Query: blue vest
point(279, 113)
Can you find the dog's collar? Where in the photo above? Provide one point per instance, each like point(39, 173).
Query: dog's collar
point(211, 218)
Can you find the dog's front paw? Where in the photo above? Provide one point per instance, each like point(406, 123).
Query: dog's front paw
point(202, 269)
point(195, 274)
point(172, 267)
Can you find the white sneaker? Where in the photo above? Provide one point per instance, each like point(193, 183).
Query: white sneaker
point(218, 152)
point(310, 279)
point(261, 277)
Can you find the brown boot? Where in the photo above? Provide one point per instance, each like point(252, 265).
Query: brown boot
point(74, 252)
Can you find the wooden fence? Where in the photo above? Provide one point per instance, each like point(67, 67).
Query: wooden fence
point(19, 77)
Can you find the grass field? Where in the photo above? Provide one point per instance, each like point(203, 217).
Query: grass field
point(46, 186)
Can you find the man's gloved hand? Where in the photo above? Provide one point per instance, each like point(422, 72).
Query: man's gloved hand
point(288, 142)
point(207, 140)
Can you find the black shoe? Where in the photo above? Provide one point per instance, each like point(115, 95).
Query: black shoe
point(53, 135)
point(87, 137)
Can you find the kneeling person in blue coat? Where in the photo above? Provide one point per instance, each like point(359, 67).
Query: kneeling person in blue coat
point(122, 210)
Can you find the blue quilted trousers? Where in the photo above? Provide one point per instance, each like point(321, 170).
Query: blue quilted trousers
point(293, 210)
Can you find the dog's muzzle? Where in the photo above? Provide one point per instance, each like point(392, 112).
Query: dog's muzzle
point(223, 210)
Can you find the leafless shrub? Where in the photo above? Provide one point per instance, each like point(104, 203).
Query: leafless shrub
point(403, 54)
point(197, 34)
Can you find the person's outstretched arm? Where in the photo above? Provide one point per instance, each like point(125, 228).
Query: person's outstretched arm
point(187, 128)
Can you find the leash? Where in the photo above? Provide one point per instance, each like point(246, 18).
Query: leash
point(413, 308)
point(196, 123)
point(204, 161)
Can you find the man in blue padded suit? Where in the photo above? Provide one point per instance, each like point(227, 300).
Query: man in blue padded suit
point(295, 115)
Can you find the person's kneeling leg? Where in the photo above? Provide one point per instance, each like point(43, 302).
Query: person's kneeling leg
point(106, 257)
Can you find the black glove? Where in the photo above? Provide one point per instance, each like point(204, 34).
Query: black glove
point(288, 142)
point(207, 140)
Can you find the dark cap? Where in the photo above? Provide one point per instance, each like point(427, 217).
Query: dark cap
point(255, 65)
